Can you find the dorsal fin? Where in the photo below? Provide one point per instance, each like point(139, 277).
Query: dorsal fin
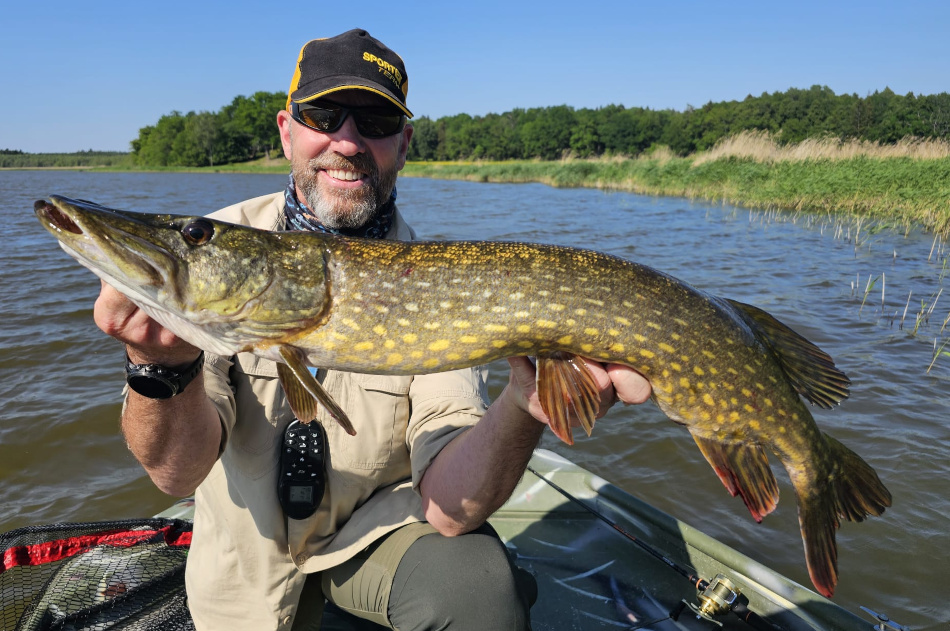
point(810, 370)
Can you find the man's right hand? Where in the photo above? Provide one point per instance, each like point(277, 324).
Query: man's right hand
point(146, 340)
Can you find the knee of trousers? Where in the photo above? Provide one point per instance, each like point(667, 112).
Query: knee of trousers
point(460, 583)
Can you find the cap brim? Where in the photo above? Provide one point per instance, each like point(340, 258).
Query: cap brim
point(303, 95)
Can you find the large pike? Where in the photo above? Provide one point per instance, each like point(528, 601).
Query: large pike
point(731, 373)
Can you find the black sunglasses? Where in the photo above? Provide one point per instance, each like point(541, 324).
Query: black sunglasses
point(371, 122)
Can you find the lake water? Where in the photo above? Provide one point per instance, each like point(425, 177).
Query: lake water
point(62, 457)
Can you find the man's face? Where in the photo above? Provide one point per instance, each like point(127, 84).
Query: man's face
point(342, 176)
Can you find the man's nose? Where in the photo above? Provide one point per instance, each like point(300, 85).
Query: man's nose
point(347, 140)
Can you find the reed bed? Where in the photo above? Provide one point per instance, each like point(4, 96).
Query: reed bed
point(906, 183)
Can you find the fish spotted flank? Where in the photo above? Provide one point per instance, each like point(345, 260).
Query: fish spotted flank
point(731, 373)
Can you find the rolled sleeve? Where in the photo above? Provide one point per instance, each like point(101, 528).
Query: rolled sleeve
point(443, 406)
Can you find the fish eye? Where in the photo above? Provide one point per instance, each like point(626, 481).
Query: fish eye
point(198, 232)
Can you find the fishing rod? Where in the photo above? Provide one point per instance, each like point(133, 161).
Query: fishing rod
point(716, 597)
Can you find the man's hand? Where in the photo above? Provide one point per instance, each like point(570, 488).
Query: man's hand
point(147, 341)
point(614, 381)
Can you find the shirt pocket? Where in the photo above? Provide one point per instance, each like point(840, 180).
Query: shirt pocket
point(379, 408)
point(262, 415)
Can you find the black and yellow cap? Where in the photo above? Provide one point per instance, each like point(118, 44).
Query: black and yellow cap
point(351, 61)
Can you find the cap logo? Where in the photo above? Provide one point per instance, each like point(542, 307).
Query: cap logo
point(385, 67)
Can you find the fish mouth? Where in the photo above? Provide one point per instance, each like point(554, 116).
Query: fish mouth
point(105, 241)
point(55, 217)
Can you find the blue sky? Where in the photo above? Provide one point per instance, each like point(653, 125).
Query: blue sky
point(88, 75)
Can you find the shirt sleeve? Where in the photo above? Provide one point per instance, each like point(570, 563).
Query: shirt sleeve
point(443, 406)
point(219, 390)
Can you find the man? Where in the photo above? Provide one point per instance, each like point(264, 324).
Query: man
point(400, 537)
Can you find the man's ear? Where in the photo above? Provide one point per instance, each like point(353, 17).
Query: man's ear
point(284, 123)
point(406, 136)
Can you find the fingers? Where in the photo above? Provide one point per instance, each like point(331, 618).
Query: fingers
point(146, 339)
point(630, 386)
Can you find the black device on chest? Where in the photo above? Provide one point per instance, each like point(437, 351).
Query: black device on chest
point(302, 478)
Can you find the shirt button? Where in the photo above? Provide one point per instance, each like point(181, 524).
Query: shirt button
point(286, 620)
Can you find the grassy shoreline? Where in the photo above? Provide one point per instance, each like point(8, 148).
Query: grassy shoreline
point(898, 190)
point(909, 188)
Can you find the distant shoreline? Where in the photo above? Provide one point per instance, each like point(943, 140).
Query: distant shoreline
point(902, 191)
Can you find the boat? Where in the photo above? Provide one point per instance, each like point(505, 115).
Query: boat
point(603, 559)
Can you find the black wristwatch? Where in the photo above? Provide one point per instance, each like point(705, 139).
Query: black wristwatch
point(160, 382)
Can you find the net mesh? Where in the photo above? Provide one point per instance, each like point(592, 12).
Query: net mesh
point(101, 575)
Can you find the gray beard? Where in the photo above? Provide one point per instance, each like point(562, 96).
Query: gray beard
point(345, 209)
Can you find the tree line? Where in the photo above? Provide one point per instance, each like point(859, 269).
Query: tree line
point(246, 129)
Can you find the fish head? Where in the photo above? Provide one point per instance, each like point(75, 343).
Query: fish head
point(212, 283)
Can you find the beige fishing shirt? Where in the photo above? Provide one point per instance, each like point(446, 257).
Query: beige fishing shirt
point(248, 561)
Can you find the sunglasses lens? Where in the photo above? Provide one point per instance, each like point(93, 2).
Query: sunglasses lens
point(325, 119)
point(370, 122)
point(377, 124)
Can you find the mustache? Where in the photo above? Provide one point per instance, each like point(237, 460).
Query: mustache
point(358, 162)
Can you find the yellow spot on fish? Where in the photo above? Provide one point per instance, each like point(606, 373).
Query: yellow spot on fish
point(445, 304)
point(709, 354)
point(617, 348)
point(411, 306)
point(523, 328)
point(363, 346)
point(622, 321)
point(699, 371)
point(340, 337)
point(379, 329)
point(754, 424)
point(473, 308)
point(666, 348)
point(546, 324)
point(556, 307)
point(453, 357)
point(417, 354)
point(587, 347)
point(439, 345)
point(653, 325)
point(746, 392)
point(403, 322)
point(781, 429)
point(389, 344)
point(748, 408)
point(567, 339)
point(749, 368)
point(613, 332)
point(432, 325)
point(580, 312)
point(410, 338)
point(708, 400)
point(498, 309)
point(477, 354)
point(649, 355)
point(461, 324)
point(684, 382)
point(599, 303)
point(516, 296)
point(525, 344)
point(768, 402)
point(430, 363)
point(639, 338)
point(496, 328)
point(499, 343)
point(676, 367)
point(394, 358)
point(680, 322)
point(591, 331)
point(468, 339)
point(522, 314)
point(351, 323)
point(676, 337)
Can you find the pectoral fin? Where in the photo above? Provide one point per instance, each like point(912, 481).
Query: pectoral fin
point(565, 384)
point(304, 391)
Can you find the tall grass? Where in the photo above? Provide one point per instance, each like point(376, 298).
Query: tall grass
point(906, 183)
